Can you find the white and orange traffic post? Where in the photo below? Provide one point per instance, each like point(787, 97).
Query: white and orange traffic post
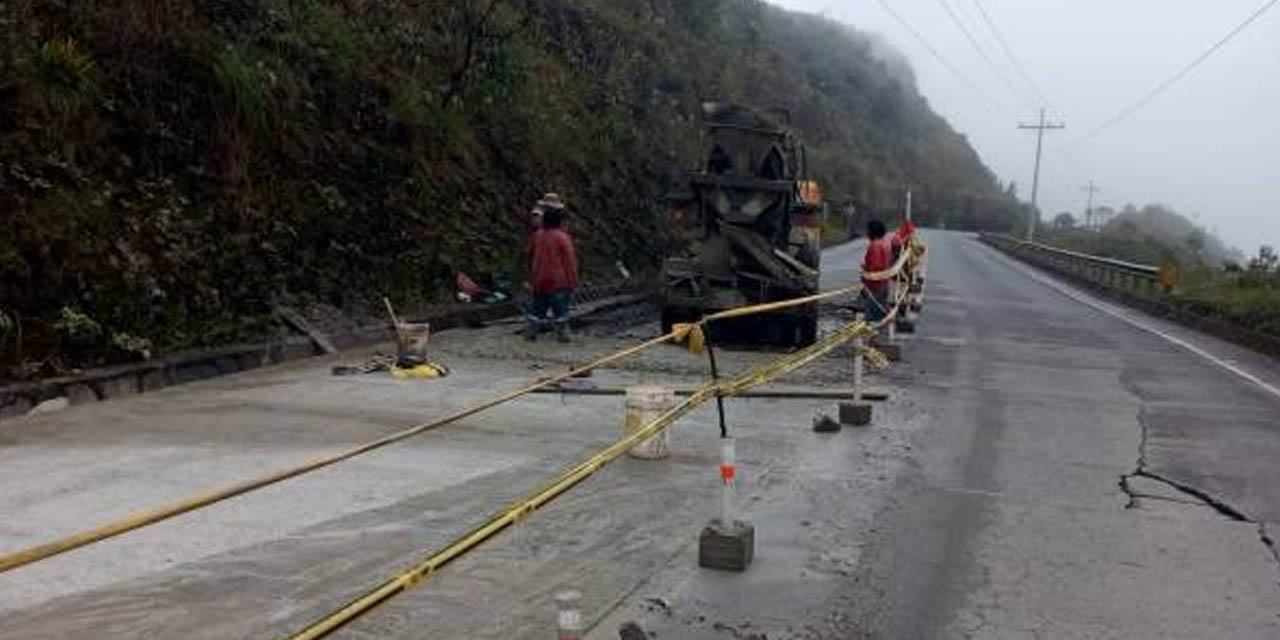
point(569, 615)
point(727, 542)
point(856, 412)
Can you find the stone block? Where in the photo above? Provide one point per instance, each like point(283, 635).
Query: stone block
point(80, 393)
point(14, 407)
point(118, 387)
point(727, 548)
point(891, 351)
point(855, 414)
point(824, 424)
point(226, 365)
point(152, 380)
point(200, 370)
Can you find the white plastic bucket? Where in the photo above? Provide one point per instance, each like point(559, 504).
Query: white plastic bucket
point(411, 338)
point(644, 405)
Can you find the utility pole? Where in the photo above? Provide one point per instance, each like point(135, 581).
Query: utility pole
point(1088, 210)
point(1035, 181)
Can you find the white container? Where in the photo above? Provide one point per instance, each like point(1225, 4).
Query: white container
point(411, 338)
point(644, 405)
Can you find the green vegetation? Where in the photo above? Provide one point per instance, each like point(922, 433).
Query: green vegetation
point(1211, 280)
point(1151, 235)
point(168, 169)
point(1248, 296)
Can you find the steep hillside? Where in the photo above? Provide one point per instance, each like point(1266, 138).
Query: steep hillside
point(168, 168)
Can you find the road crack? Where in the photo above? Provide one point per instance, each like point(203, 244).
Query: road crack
point(1196, 496)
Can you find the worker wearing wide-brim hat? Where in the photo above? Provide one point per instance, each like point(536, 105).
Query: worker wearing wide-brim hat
point(551, 200)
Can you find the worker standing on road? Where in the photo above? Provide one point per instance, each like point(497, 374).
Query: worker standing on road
point(879, 257)
point(535, 225)
point(553, 276)
point(901, 237)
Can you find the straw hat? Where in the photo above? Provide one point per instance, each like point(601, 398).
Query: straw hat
point(551, 200)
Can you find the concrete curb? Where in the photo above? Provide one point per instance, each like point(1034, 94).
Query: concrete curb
point(98, 385)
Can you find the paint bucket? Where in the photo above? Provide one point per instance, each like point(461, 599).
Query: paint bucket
point(644, 405)
point(411, 338)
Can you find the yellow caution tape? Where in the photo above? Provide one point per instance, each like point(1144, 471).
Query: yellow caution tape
point(875, 358)
point(152, 516)
point(566, 480)
point(695, 335)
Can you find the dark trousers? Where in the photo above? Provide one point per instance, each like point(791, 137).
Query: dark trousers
point(876, 304)
point(557, 303)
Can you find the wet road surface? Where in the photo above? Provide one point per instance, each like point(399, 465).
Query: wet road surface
point(986, 501)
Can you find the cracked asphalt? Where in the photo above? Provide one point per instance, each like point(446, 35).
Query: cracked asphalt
point(1043, 469)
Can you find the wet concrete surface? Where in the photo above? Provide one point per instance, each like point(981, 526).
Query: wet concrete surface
point(1008, 519)
point(985, 501)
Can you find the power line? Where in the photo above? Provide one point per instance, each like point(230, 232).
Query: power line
point(937, 56)
point(1008, 51)
point(973, 42)
point(1172, 80)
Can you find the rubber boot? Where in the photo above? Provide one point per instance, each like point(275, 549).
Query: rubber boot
point(562, 331)
point(531, 331)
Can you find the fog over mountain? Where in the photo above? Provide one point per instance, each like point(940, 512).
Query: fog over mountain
point(1203, 147)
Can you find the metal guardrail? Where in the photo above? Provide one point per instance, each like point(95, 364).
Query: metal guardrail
point(1107, 272)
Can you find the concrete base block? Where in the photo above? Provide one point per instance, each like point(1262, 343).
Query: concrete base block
point(905, 325)
point(118, 387)
point(855, 414)
point(891, 351)
point(824, 424)
point(727, 548)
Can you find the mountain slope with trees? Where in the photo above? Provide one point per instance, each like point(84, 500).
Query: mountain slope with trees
point(167, 169)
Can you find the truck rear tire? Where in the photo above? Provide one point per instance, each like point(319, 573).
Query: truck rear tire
point(807, 329)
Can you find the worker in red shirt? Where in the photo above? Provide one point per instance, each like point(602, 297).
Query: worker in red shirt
point(879, 257)
point(901, 237)
point(553, 276)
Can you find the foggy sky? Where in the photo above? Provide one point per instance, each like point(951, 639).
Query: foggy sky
point(1206, 147)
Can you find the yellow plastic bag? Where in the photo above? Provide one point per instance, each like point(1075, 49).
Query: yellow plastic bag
point(693, 332)
point(425, 371)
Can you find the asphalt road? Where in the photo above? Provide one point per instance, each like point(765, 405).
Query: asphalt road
point(1018, 513)
point(997, 495)
point(1023, 518)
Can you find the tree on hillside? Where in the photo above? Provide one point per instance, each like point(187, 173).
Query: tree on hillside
point(1196, 241)
point(1064, 220)
point(1266, 261)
